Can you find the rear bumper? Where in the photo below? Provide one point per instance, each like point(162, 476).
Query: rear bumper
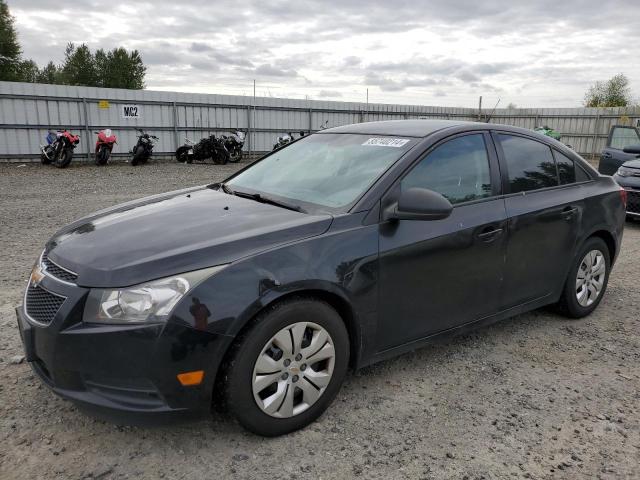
point(125, 373)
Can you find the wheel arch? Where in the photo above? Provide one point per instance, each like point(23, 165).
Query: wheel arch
point(608, 239)
point(335, 300)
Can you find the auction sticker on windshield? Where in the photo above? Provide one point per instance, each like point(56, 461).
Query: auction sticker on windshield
point(386, 142)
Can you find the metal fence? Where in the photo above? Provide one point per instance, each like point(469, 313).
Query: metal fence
point(28, 111)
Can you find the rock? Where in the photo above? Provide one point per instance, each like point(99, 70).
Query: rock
point(240, 457)
point(16, 359)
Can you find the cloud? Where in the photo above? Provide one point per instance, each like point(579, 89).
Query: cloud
point(271, 71)
point(543, 53)
point(329, 94)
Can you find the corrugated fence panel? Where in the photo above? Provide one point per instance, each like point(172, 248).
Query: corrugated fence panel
point(28, 111)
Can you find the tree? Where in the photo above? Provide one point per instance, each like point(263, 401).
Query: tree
point(27, 71)
point(512, 106)
point(120, 69)
point(117, 68)
point(79, 66)
point(49, 74)
point(9, 46)
point(615, 92)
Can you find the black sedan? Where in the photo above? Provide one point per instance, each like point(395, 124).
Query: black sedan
point(344, 248)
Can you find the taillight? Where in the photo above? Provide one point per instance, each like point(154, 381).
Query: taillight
point(623, 197)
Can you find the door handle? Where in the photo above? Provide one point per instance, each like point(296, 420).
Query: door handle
point(607, 155)
point(489, 233)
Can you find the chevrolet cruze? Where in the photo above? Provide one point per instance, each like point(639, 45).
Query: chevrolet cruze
point(344, 248)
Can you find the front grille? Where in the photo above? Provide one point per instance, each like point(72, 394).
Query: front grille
point(633, 201)
point(41, 305)
point(56, 271)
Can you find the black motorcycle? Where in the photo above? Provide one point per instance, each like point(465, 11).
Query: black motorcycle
point(191, 151)
point(59, 150)
point(208, 147)
point(234, 143)
point(143, 149)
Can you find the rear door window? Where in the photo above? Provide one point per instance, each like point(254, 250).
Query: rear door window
point(529, 163)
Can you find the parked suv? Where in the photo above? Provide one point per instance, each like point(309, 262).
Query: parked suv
point(341, 249)
point(613, 156)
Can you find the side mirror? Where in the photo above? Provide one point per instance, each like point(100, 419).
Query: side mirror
point(419, 204)
point(632, 149)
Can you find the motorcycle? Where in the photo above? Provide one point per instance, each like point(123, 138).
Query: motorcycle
point(104, 146)
point(59, 150)
point(234, 143)
point(143, 149)
point(550, 132)
point(47, 152)
point(191, 151)
point(283, 140)
point(209, 147)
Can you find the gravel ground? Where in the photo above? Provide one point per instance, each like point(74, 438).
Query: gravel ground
point(537, 396)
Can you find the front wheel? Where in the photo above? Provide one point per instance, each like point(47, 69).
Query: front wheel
point(587, 280)
point(235, 156)
point(64, 159)
point(287, 368)
point(138, 156)
point(102, 157)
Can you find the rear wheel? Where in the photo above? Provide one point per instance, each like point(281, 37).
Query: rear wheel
point(46, 155)
point(287, 368)
point(587, 279)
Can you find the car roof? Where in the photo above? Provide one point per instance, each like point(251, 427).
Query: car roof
point(418, 128)
point(404, 128)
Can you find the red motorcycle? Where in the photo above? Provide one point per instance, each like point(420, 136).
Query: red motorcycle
point(104, 146)
point(59, 152)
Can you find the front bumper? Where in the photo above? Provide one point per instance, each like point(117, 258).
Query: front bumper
point(121, 371)
point(632, 187)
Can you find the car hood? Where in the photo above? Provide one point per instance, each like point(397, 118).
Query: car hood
point(167, 234)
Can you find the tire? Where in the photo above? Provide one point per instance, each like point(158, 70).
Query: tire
point(137, 155)
point(220, 156)
point(102, 157)
point(569, 305)
point(236, 156)
point(181, 154)
point(43, 158)
point(64, 159)
point(256, 342)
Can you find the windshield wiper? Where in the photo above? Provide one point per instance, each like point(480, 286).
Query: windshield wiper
point(225, 188)
point(262, 199)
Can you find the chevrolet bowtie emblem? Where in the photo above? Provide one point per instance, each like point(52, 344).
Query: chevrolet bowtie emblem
point(36, 275)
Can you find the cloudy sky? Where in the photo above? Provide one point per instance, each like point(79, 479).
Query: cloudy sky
point(443, 52)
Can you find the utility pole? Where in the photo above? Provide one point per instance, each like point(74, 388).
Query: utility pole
point(367, 117)
point(480, 109)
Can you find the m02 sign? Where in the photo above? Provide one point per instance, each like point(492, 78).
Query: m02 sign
point(131, 111)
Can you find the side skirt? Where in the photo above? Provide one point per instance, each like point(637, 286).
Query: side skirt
point(458, 330)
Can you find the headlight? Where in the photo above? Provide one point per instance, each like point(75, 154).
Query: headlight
point(148, 302)
point(625, 172)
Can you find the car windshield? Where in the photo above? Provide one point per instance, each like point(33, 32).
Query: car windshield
point(329, 170)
